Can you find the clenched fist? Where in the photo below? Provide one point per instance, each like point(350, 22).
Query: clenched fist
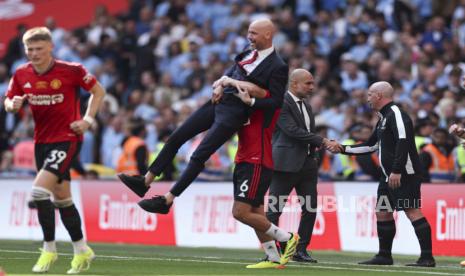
point(79, 127)
point(15, 104)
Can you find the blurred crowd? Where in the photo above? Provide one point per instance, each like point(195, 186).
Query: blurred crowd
point(158, 61)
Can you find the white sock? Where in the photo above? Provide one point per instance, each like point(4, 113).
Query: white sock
point(79, 246)
point(50, 246)
point(271, 250)
point(278, 234)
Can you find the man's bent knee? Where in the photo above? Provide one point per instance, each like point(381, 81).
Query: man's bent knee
point(240, 212)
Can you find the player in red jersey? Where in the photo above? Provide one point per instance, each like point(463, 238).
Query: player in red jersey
point(252, 178)
point(51, 88)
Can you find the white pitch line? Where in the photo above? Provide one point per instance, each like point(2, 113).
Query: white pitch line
point(245, 263)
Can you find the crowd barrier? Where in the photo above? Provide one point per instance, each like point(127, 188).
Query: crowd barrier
point(202, 217)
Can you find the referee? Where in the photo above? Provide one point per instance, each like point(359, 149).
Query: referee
point(399, 186)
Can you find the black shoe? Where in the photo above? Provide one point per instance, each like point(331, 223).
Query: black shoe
point(156, 204)
point(424, 262)
point(378, 260)
point(303, 256)
point(134, 182)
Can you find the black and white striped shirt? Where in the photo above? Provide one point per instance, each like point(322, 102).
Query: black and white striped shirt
point(395, 141)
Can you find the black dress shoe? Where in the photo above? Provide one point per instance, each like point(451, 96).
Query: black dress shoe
point(378, 260)
point(303, 256)
point(134, 182)
point(424, 262)
point(156, 204)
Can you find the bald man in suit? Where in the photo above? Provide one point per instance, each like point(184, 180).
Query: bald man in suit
point(295, 159)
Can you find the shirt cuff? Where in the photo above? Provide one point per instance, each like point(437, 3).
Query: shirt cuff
point(252, 102)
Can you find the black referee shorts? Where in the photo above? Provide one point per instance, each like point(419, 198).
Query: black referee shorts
point(251, 181)
point(408, 195)
point(57, 157)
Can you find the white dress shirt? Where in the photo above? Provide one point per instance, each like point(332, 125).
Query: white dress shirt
point(261, 56)
point(304, 110)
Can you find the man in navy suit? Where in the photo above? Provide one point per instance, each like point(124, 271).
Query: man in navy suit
point(223, 116)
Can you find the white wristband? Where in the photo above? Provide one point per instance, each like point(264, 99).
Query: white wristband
point(252, 102)
point(89, 119)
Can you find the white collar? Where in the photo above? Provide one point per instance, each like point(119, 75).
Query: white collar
point(296, 99)
point(266, 52)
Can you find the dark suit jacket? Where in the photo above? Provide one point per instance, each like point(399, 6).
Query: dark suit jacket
point(291, 138)
point(271, 74)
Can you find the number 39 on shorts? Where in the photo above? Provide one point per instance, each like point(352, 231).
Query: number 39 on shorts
point(55, 158)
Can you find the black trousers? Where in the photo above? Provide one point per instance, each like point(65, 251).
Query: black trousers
point(201, 120)
point(304, 182)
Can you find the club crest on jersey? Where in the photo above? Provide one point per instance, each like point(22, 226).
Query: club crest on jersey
point(41, 85)
point(55, 84)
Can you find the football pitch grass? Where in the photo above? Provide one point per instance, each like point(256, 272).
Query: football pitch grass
point(18, 257)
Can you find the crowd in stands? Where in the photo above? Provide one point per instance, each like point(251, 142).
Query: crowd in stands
point(159, 59)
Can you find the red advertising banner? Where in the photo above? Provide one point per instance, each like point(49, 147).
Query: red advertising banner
point(67, 14)
point(202, 217)
point(444, 206)
point(112, 215)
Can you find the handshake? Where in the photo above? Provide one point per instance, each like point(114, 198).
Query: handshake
point(332, 146)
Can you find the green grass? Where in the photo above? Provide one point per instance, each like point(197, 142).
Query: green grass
point(18, 257)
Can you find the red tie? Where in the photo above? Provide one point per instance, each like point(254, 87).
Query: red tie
point(250, 60)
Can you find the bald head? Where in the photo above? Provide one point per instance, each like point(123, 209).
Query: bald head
point(263, 24)
point(384, 88)
point(379, 94)
point(298, 75)
point(260, 34)
point(301, 83)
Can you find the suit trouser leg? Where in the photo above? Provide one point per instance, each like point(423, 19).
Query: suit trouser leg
point(306, 188)
point(215, 138)
point(198, 122)
point(280, 188)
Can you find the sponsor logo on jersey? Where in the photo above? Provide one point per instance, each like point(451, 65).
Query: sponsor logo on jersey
point(45, 99)
point(27, 85)
point(55, 84)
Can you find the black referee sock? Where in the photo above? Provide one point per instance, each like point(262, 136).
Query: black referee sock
point(46, 215)
point(386, 233)
point(72, 222)
point(423, 232)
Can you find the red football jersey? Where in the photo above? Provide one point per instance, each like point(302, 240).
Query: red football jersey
point(255, 140)
point(53, 98)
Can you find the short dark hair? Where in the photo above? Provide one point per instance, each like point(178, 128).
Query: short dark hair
point(136, 126)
